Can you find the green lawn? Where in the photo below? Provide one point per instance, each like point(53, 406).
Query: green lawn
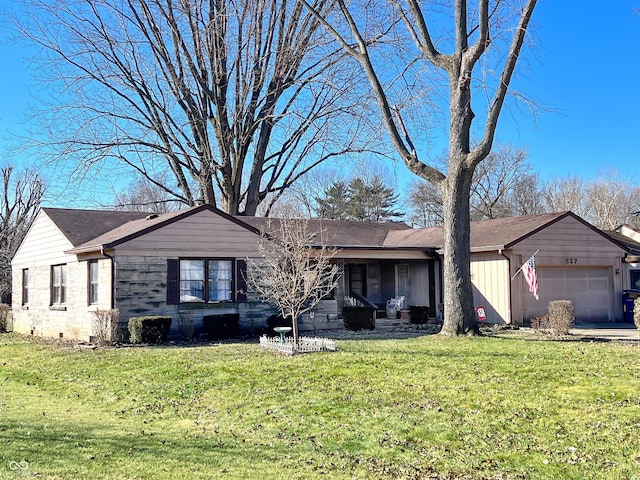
point(419, 408)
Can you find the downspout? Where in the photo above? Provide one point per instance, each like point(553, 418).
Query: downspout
point(441, 285)
point(501, 253)
point(113, 276)
point(433, 304)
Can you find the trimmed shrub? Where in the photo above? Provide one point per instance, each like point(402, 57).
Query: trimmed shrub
point(278, 321)
point(561, 316)
point(540, 323)
point(5, 311)
point(357, 318)
point(152, 329)
point(186, 324)
point(636, 312)
point(418, 314)
point(219, 327)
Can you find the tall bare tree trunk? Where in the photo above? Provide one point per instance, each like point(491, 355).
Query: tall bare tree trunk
point(459, 314)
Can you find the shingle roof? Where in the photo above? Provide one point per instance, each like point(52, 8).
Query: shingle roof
point(629, 243)
point(80, 226)
point(336, 233)
point(91, 229)
point(132, 228)
point(485, 235)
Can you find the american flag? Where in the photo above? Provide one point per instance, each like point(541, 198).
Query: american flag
point(529, 271)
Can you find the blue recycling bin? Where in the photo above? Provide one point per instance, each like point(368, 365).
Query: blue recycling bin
point(628, 300)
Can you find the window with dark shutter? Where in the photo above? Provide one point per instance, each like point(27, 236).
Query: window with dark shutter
point(241, 281)
point(173, 281)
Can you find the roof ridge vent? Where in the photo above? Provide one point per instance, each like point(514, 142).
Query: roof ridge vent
point(151, 216)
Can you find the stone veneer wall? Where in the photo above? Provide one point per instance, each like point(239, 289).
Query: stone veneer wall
point(141, 284)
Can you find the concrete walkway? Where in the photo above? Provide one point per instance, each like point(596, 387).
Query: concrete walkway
point(607, 331)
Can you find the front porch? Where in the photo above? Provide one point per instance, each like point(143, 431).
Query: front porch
point(370, 283)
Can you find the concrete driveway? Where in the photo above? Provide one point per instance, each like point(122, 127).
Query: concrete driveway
point(608, 331)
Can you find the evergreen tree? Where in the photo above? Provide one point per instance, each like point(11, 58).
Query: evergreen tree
point(359, 200)
point(333, 204)
point(380, 202)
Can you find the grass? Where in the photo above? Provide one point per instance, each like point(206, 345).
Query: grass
point(419, 408)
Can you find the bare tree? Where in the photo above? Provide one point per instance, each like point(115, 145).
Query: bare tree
point(143, 196)
point(561, 194)
point(295, 271)
point(526, 196)
point(425, 204)
point(22, 193)
point(495, 182)
point(503, 185)
point(231, 96)
point(479, 32)
point(613, 201)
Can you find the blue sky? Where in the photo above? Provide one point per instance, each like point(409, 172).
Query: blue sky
point(584, 71)
point(587, 73)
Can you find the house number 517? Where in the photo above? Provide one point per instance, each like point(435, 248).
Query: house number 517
point(570, 261)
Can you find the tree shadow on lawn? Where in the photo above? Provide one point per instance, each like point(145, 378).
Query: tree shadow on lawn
point(98, 451)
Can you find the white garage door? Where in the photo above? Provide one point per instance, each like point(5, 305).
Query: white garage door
point(589, 288)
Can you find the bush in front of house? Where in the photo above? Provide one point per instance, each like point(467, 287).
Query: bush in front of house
point(540, 324)
point(278, 321)
point(418, 314)
point(152, 329)
point(186, 324)
point(561, 316)
point(5, 311)
point(358, 318)
point(219, 327)
point(105, 325)
point(636, 312)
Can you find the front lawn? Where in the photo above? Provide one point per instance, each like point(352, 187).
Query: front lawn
point(419, 408)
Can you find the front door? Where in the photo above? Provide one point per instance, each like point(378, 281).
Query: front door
point(403, 282)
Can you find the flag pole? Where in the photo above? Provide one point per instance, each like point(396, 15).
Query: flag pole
point(515, 274)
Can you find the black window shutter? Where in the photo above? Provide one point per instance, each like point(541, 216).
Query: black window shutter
point(173, 281)
point(241, 281)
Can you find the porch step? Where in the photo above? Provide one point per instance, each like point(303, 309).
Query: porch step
point(383, 323)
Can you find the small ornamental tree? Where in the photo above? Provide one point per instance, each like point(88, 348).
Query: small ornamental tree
point(295, 271)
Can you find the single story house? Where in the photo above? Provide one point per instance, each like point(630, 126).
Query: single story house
point(74, 262)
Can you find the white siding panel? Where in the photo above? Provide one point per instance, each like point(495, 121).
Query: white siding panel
point(44, 245)
point(490, 275)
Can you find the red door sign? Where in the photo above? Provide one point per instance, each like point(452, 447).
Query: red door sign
point(482, 316)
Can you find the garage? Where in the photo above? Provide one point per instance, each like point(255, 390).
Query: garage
point(589, 288)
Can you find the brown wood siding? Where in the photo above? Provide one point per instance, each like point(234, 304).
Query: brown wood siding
point(568, 239)
point(365, 255)
point(203, 234)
